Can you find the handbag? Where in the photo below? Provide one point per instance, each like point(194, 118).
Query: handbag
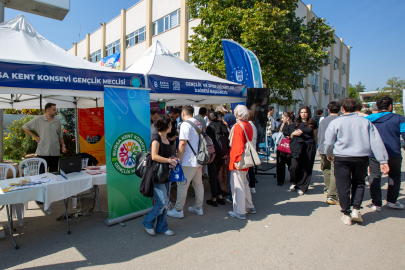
point(140, 164)
point(249, 157)
point(284, 146)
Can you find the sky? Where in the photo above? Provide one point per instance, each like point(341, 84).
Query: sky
point(374, 29)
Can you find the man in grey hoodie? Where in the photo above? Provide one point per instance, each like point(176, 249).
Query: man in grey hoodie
point(350, 139)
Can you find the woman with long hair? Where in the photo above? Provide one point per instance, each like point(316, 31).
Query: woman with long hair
point(287, 128)
point(216, 128)
point(302, 161)
point(161, 151)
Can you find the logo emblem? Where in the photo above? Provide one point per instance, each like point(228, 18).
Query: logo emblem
point(155, 83)
point(239, 75)
point(135, 82)
point(124, 150)
point(176, 85)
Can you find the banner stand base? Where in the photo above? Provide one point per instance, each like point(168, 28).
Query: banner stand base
point(114, 221)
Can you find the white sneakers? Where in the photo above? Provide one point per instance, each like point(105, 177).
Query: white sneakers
point(374, 207)
point(175, 214)
point(152, 232)
point(292, 188)
point(356, 215)
point(347, 220)
point(252, 190)
point(196, 211)
point(300, 192)
point(396, 205)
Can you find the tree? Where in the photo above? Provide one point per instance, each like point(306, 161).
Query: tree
point(394, 88)
point(356, 89)
point(288, 49)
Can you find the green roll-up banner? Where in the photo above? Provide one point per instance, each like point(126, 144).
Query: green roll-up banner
point(127, 132)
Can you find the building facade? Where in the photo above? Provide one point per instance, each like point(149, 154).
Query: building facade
point(136, 28)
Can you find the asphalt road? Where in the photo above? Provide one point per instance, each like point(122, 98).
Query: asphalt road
point(288, 232)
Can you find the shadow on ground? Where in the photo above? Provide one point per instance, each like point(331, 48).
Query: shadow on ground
point(97, 244)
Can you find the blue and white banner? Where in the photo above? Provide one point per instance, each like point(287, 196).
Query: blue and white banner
point(160, 84)
point(53, 77)
point(242, 65)
point(113, 61)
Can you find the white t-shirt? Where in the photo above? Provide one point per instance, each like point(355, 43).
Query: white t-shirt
point(187, 132)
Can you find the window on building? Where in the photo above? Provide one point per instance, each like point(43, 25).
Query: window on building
point(336, 90)
point(314, 82)
point(326, 86)
point(113, 48)
point(327, 60)
point(166, 23)
point(177, 54)
point(343, 68)
point(95, 57)
point(343, 92)
point(136, 37)
point(336, 65)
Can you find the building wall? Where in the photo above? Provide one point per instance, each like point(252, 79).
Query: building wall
point(136, 18)
point(113, 30)
point(95, 41)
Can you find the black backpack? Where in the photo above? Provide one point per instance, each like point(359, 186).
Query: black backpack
point(222, 146)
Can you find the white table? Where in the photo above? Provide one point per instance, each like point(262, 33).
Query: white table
point(51, 192)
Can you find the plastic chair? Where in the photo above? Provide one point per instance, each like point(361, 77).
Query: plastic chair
point(34, 165)
point(17, 209)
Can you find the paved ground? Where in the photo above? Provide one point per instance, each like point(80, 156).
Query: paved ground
point(288, 232)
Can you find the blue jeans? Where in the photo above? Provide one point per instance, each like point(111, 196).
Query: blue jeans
point(159, 209)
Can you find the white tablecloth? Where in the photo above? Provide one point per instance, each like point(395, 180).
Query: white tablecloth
point(52, 191)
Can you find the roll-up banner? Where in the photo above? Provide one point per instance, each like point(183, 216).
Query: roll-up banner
point(127, 132)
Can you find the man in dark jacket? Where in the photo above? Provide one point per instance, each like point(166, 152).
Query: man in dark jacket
point(390, 126)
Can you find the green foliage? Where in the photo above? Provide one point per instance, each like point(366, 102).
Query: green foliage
point(394, 88)
point(68, 120)
point(288, 50)
point(23, 111)
point(17, 143)
point(354, 90)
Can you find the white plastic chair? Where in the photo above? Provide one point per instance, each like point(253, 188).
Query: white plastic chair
point(17, 209)
point(34, 165)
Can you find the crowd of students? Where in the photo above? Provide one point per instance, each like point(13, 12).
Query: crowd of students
point(348, 144)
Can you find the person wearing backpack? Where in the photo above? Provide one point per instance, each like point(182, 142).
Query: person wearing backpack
point(218, 133)
point(191, 168)
point(160, 153)
point(242, 198)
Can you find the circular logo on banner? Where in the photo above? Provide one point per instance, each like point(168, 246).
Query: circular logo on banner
point(136, 82)
point(124, 150)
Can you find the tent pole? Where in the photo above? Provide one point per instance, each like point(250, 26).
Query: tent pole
point(1, 135)
point(2, 16)
point(40, 103)
point(76, 128)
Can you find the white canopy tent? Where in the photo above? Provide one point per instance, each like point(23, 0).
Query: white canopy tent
point(34, 71)
point(31, 66)
point(180, 83)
